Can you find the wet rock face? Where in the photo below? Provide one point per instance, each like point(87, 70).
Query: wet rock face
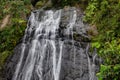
point(55, 47)
point(12, 62)
point(73, 62)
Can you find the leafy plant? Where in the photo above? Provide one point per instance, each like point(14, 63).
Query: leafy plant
point(13, 32)
point(105, 15)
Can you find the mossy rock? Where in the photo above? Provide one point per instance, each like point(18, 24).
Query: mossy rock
point(3, 57)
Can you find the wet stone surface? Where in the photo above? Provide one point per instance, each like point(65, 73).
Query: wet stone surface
point(55, 47)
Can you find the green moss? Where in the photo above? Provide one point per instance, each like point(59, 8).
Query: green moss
point(4, 55)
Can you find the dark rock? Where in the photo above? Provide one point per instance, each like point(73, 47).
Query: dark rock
point(33, 2)
point(76, 61)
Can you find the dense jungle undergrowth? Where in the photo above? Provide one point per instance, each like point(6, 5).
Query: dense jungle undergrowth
point(103, 14)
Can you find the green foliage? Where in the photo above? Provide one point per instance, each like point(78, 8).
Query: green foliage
point(3, 57)
point(90, 10)
point(10, 37)
point(81, 3)
point(68, 2)
point(13, 32)
point(105, 15)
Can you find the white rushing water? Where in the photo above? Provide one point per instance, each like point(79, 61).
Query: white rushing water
point(91, 64)
point(44, 48)
point(36, 53)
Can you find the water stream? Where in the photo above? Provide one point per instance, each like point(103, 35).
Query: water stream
point(55, 47)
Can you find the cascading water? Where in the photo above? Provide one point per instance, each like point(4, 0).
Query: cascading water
point(55, 47)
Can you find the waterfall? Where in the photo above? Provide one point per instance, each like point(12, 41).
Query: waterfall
point(55, 47)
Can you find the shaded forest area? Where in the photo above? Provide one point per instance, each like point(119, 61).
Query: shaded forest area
point(103, 14)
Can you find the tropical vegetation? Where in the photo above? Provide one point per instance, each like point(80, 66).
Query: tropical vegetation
point(104, 14)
